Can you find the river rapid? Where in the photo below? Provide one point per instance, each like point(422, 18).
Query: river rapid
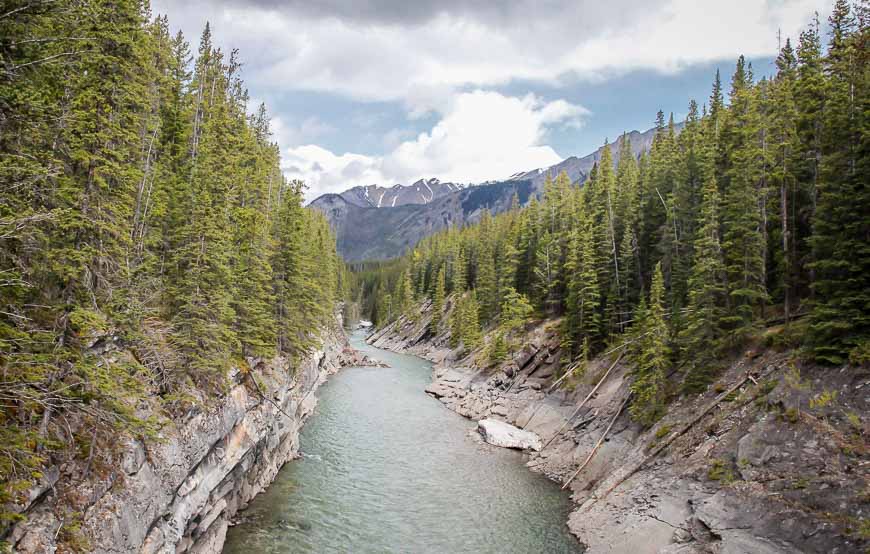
point(386, 468)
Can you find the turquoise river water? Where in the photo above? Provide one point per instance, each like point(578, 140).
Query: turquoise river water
point(387, 468)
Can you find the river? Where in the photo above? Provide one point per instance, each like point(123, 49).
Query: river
point(386, 468)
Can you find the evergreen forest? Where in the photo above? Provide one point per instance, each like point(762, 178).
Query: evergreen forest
point(754, 213)
point(149, 244)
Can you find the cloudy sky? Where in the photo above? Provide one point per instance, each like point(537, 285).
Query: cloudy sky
point(388, 91)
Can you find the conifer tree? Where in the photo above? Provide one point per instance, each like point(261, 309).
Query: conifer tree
point(486, 283)
point(438, 300)
point(137, 208)
point(583, 318)
point(743, 242)
point(784, 155)
point(516, 309)
point(651, 356)
point(701, 338)
point(459, 283)
point(405, 294)
point(809, 100)
point(840, 318)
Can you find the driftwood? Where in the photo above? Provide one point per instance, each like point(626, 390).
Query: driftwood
point(574, 366)
point(568, 372)
point(599, 443)
point(580, 407)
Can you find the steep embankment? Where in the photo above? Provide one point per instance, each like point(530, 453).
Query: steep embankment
point(179, 491)
point(766, 461)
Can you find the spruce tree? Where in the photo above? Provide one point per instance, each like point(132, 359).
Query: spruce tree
point(651, 356)
point(783, 180)
point(583, 318)
point(840, 318)
point(701, 338)
point(743, 241)
point(438, 300)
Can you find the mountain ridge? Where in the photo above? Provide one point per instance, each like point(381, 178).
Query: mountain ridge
point(374, 222)
point(421, 191)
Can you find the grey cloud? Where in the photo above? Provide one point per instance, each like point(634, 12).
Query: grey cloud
point(407, 11)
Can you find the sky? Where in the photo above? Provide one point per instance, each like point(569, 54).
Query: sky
point(383, 92)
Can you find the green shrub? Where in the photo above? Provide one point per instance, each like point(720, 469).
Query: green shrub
point(719, 471)
point(663, 431)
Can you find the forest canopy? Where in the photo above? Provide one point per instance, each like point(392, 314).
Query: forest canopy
point(148, 240)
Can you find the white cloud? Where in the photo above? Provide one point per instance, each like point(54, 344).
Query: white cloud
point(325, 172)
point(482, 135)
point(428, 61)
point(422, 64)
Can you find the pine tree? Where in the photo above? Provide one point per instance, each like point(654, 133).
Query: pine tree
point(497, 350)
point(784, 145)
point(809, 100)
point(138, 206)
point(405, 294)
point(651, 356)
point(202, 314)
point(457, 316)
point(547, 274)
point(583, 318)
point(701, 339)
point(516, 310)
point(743, 242)
point(438, 300)
point(460, 282)
point(840, 318)
point(486, 283)
point(465, 324)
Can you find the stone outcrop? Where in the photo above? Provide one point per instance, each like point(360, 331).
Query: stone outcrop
point(779, 466)
point(179, 492)
point(499, 433)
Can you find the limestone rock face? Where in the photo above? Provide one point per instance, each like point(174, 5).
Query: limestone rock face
point(180, 493)
point(499, 433)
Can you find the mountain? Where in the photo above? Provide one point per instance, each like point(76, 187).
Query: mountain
point(371, 233)
point(421, 192)
point(376, 222)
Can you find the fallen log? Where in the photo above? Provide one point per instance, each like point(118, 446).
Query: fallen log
point(657, 450)
point(580, 407)
point(599, 443)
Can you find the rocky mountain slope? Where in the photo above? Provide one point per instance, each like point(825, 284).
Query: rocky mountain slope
point(369, 233)
point(378, 223)
point(421, 192)
point(178, 491)
point(772, 459)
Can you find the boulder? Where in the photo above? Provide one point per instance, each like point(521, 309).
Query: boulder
point(499, 433)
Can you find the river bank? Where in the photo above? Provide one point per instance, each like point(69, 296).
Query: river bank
point(178, 491)
point(766, 461)
point(385, 468)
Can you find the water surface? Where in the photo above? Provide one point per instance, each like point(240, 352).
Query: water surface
point(386, 468)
